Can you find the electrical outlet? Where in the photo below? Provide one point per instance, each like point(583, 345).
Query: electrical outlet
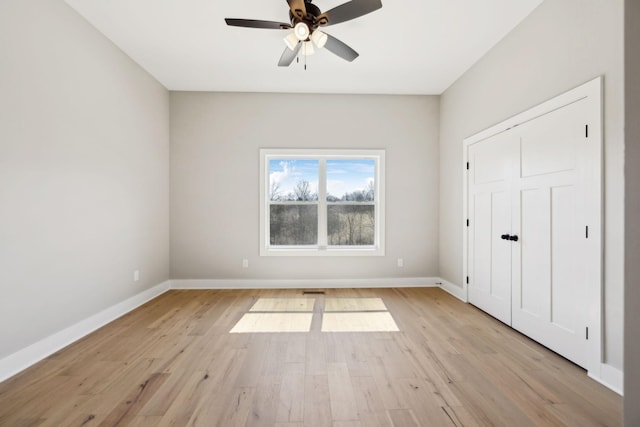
point(136, 275)
point(245, 263)
point(400, 262)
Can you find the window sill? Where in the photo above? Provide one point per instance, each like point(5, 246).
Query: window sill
point(313, 251)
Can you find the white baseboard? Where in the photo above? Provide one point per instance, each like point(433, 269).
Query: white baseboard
point(22, 359)
point(609, 377)
point(454, 290)
point(404, 282)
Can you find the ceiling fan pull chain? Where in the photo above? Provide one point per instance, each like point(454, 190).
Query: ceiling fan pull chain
point(304, 46)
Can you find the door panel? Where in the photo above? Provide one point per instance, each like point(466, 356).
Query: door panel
point(482, 207)
point(549, 145)
point(500, 250)
point(535, 265)
point(488, 162)
point(547, 302)
point(489, 206)
point(564, 286)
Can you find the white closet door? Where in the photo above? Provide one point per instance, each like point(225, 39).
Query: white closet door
point(548, 215)
point(489, 204)
point(537, 177)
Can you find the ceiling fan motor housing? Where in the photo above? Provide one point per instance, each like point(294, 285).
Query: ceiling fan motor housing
point(312, 18)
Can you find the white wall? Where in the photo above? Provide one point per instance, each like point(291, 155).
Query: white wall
point(215, 142)
point(561, 45)
point(632, 216)
point(84, 173)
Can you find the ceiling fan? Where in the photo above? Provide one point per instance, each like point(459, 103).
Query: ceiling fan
point(305, 21)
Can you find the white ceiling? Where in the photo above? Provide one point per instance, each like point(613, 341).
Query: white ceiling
point(407, 47)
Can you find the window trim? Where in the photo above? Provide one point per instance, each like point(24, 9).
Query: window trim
point(377, 249)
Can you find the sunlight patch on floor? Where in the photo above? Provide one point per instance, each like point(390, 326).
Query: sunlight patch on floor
point(354, 304)
point(273, 322)
point(358, 322)
point(283, 304)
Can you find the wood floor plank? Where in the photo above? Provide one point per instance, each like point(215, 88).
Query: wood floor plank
point(145, 421)
point(403, 418)
point(296, 348)
point(206, 317)
point(134, 401)
point(181, 408)
point(254, 359)
point(317, 406)
point(490, 405)
point(274, 353)
point(347, 424)
point(343, 402)
point(426, 406)
point(291, 402)
point(173, 362)
point(236, 412)
point(265, 403)
point(460, 417)
point(370, 405)
point(316, 354)
point(384, 383)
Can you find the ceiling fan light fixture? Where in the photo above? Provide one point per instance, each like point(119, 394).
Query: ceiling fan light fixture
point(307, 49)
point(319, 38)
point(301, 30)
point(291, 40)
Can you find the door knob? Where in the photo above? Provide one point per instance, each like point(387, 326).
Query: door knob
point(513, 238)
point(505, 237)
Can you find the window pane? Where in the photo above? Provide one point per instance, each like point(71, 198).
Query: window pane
point(293, 180)
point(351, 225)
point(293, 224)
point(351, 180)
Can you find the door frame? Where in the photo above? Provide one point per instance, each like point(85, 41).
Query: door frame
point(592, 91)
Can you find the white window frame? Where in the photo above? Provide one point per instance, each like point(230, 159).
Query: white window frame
point(322, 249)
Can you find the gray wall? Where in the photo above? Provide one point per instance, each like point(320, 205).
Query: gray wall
point(84, 173)
point(632, 215)
point(561, 45)
point(215, 142)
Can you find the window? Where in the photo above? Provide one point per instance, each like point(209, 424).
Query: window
point(321, 202)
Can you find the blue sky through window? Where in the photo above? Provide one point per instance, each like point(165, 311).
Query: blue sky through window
point(343, 175)
point(348, 176)
point(286, 174)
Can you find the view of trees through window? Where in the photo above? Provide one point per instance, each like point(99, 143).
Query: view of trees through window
point(347, 201)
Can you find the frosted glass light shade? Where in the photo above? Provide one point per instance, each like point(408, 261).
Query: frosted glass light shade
point(291, 40)
point(319, 38)
point(307, 49)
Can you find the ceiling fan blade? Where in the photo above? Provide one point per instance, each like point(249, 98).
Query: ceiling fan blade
point(256, 23)
point(348, 11)
point(298, 8)
point(339, 48)
point(289, 55)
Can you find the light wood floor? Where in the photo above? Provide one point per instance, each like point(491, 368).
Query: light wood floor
point(174, 362)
